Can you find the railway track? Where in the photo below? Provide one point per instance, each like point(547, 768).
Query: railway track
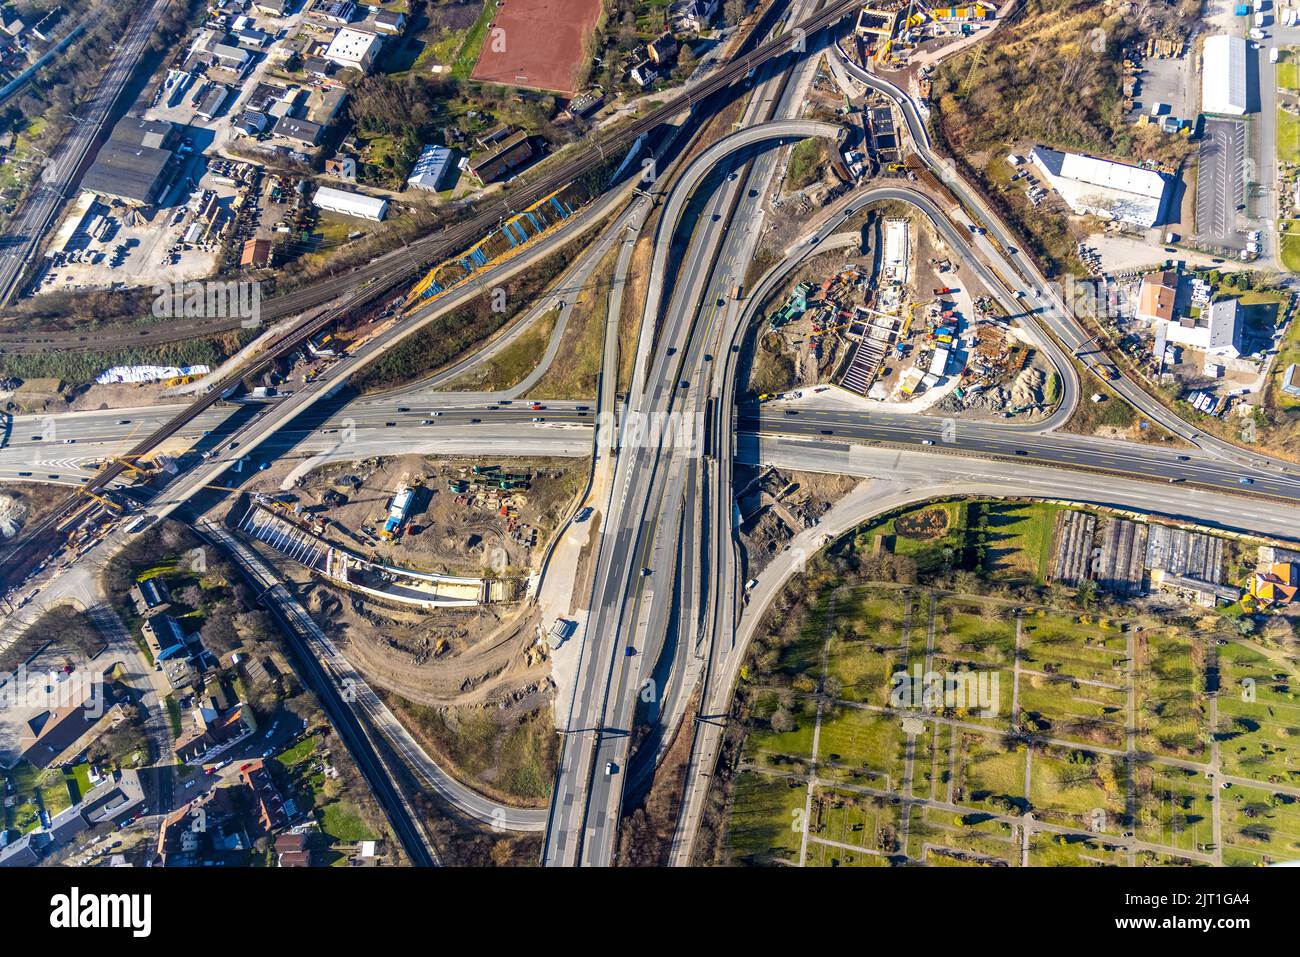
point(403, 266)
point(377, 279)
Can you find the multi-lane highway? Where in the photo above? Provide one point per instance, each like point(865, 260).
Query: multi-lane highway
point(665, 602)
point(640, 601)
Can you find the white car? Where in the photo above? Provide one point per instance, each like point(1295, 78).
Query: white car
point(609, 768)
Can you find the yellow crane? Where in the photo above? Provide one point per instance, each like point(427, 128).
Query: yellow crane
point(911, 309)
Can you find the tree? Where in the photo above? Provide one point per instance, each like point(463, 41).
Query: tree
point(1087, 593)
point(782, 721)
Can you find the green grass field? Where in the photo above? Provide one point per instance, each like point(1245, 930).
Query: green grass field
point(765, 818)
point(1105, 699)
point(1017, 538)
point(861, 747)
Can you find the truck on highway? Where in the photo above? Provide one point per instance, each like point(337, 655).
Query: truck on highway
point(1106, 371)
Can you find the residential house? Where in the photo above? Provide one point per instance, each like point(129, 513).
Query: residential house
point(497, 134)
point(390, 21)
point(662, 49)
point(250, 122)
point(271, 807)
point(643, 74)
point(202, 832)
point(26, 851)
point(165, 638)
point(151, 596)
point(692, 16)
point(294, 849)
point(342, 167)
point(213, 730)
point(272, 8)
point(318, 67)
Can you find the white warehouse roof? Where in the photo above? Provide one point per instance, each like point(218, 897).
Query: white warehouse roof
point(1223, 75)
point(1103, 188)
point(431, 168)
point(350, 204)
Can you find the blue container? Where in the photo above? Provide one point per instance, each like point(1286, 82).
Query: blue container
point(1242, 9)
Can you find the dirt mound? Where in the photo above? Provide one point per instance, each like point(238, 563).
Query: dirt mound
point(931, 523)
point(13, 512)
point(1028, 387)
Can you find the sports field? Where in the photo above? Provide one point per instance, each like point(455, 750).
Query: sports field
point(538, 44)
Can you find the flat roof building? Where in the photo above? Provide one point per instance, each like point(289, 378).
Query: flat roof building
point(135, 164)
point(1223, 76)
point(1097, 187)
point(1291, 380)
point(1218, 336)
point(302, 132)
point(350, 204)
point(354, 48)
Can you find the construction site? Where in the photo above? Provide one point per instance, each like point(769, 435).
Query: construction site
point(899, 34)
point(900, 324)
point(450, 517)
point(420, 568)
point(775, 505)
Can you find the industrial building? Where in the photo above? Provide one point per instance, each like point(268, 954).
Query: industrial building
point(430, 170)
point(1219, 336)
point(305, 133)
point(510, 154)
point(351, 204)
point(1097, 187)
point(1223, 76)
point(135, 165)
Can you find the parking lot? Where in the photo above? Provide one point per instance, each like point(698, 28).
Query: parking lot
point(1220, 183)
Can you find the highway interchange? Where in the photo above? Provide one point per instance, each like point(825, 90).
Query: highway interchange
point(666, 602)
